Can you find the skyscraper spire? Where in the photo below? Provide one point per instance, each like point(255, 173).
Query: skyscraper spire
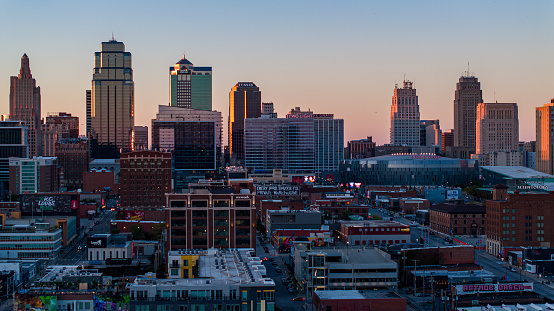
point(25, 71)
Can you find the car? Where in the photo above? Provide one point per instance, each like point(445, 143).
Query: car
point(298, 299)
point(271, 259)
point(264, 259)
point(266, 251)
point(274, 263)
point(291, 290)
point(80, 247)
point(512, 269)
point(432, 232)
point(278, 269)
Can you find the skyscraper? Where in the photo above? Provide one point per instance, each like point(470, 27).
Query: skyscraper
point(112, 103)
point(404, 116)
point(467, 96)
point(89, 112)
point(14, 142)
point(497, 134)
point(25, 104)
point(245, 101)
point(545, 138)
point(189, 86)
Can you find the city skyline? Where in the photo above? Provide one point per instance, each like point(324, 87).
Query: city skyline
point(504, 43)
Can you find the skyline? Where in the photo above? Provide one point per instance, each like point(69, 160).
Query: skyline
point(316, 55)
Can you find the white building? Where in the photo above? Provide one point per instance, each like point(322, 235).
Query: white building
point(109, 246)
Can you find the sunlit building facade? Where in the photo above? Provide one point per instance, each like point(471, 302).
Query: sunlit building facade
point(404, 116)
point(544, 117)
point(189, 86)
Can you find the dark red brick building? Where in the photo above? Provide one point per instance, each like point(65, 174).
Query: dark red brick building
point(98, 181)
point(353, 300)
point(360, 149)
point(145, 178)
point(205, 220)
point(458, 219)
point(73, 157)
point(519, 219)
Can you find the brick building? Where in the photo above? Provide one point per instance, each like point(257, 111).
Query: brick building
point(98, 181)
point(360, 149)
point(145, 178)
point(518, 219)
point(458, 219)
point(73, 157)
point(39, 174)
point(374, 232)
point(203, 219)
point(354, 300)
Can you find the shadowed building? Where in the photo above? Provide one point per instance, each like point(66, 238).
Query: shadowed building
point(467, 96)
point(25, 105)
point(245, 100)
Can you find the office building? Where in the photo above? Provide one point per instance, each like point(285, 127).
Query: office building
point(204, 219)
point(145, 179)
point(113, 102)
point(39, 174)
point(102, 247)
point(467, 96)
point(518, 219)
point(141, 138)
point(245, 101)
point(497, 134)
point(194, 139)
point(189, 86)
point(67, 119)
point(268, 112)
point(25, 105)
point(430, 133)
point(221, 280)
point(355, 300)
point(73, 156)
point(35, 240)
point(544, 117)
point(404, 116)
point(14, 142)
point(339, 268)
point(360, 149)
point(287, 219)
point(51, 133)
point(447, 140)
point(410, 169)
point(329, 143)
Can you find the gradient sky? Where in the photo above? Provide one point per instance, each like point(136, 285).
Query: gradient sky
point(340, 57)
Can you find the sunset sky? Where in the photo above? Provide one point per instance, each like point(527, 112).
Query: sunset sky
point(340, 57)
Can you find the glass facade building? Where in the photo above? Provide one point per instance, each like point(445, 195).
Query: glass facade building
point(13, 143)
point(410, 170)
point(189, 86)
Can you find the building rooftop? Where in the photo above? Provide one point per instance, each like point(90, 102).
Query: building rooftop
point(354, 255)
point(355, 294)
point(517, 172)
point(453, 208)
point(372, 223)
point(217, 267)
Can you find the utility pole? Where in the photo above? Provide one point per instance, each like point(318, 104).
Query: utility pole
point(415, 275)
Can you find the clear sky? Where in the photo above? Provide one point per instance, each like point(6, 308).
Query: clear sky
point(340, 57)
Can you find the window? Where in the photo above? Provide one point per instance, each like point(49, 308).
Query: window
point(174, 272)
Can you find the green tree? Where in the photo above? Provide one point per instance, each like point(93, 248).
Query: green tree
point(138, 232)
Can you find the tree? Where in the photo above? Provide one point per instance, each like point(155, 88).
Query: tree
point(138, 232)
point(345, 215)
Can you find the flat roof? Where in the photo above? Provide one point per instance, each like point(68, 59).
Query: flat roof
point(355, 294)
point(355, 255)
point(372, 223)
point(517, 172)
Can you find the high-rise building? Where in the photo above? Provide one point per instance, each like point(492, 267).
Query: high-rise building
point(73, 158)
point(245, 101)
point(58, 125)
point(360, 149)
point(141, 138)
point(14, 142)
point(268, 112)
point(447, 140)
point(25, 104)
point(329, 142)
point(467, 96)
point(194, 139)
point(497, 133)
point(112, 103)
point(145, 179)
point(404, 116)
point(189, 86)
point(39, 174)
point(89, 112)
point(544, 117)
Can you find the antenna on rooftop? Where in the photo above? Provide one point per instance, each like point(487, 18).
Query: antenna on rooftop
point(113, 39)
point(468, 68)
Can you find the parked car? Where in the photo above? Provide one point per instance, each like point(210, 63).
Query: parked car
point(298, 299)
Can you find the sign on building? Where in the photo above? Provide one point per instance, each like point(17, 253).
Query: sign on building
point(49, 204)
point(277, 189)
point(452, 195)
point(470, 289)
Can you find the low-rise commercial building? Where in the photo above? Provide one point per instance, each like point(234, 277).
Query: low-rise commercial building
point(517, 178)
point(221, 280)
point(458, 219)
point(292, 220)
point(374, 232)
point(355, 300)
point(102, 247)
point(36, 240)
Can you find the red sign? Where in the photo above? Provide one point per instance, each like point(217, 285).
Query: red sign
point(74, 204)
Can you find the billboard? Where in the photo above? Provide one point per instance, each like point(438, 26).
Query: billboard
point(49, 204)
point(134, 215)
point(471, 289)
point(277, 189)
point(452, 195)
point(97, 242)
point(302, 179)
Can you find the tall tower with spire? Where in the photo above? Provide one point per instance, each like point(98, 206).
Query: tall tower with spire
point(25, 104)
point(112, 111)
point(189, 86)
